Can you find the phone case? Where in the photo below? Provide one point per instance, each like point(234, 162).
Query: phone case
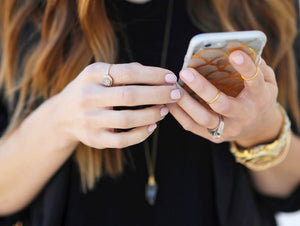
point(208, 54)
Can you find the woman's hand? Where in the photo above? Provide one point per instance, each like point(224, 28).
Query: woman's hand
point(250, 118)
point(86, 108)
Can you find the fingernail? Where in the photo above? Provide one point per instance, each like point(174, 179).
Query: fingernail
point(171, 78)
point(152, 127)
point(187, 75)
point(175, 94)
point(164, 111)
point(238, 59)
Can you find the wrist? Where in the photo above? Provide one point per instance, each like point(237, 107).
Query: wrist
point(57, 123)
point(264, 156)
point(266, 133)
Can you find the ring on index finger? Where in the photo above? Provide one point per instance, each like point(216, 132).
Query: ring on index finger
point(107, 80)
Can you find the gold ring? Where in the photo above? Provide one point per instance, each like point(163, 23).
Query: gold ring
point(253, 77)
point(213, 100)
point(107, 80)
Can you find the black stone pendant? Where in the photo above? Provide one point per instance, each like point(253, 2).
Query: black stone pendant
point(151, 191)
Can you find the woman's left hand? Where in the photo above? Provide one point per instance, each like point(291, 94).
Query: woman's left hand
point(249, 119)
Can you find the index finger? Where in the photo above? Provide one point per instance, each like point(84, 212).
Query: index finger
point(131, 73)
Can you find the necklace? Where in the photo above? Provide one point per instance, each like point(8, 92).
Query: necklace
point(151, 188)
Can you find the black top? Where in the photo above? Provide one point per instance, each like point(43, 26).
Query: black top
point(199, 182)
point(183, 169)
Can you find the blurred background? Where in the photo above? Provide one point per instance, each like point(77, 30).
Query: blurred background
point(288, 219)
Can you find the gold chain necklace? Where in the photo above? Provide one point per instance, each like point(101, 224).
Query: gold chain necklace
point(151, 188)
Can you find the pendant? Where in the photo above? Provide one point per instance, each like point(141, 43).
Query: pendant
point(151, 190)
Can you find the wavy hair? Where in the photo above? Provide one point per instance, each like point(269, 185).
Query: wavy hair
point(68, 35)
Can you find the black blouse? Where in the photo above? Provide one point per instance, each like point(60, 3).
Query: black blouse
point(184, 164)
point(199, 182)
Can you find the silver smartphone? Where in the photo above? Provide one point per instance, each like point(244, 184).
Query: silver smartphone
point(208, 54)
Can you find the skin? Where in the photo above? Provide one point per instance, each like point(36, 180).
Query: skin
point(82, 112)
point(88, 117)
point(252, 112)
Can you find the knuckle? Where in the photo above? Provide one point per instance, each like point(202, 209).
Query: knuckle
point(235, 131)
point(84, 121)
point(270, 70)
point(131, 69)
point(135, 64)
point(119, 142)
point(92, 140)
point(263, 102)
point(206, 120)
point(188, 126)
point(85, 97)
point(224, 109)
point(124, 121)
point(218, 141)
point(249, 119)
point(126, 96)
point(89, 69)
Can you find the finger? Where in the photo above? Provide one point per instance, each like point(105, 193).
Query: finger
point(132, 73)
point(109, 139)
point(198, 112)
point(268, 72)
point(252, 75)
point(189, 124)
point(132, 95)
point(263, 87)
point(219, 102)
point(127, 119)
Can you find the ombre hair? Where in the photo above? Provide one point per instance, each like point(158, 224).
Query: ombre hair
point(70, 34)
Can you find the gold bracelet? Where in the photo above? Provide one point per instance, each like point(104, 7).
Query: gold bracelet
point(264, 156)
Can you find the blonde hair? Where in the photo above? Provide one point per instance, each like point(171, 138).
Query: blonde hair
point(75, 33)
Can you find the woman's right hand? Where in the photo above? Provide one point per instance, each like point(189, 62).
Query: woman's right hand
point(86, 108)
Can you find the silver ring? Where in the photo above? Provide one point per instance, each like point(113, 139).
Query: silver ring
point(107, 80)
point(217, 132)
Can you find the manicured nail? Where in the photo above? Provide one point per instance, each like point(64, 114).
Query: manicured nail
point(175, 94)
point(151, 128)
point(238, 58)
point(187, 75)
point(164, 111)
point(171, 78)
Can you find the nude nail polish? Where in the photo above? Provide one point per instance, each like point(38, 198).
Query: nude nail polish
point(175, 94)
point(151, 128)
point(170, 78)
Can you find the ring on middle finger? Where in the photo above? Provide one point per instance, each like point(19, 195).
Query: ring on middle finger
point(217, 132)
